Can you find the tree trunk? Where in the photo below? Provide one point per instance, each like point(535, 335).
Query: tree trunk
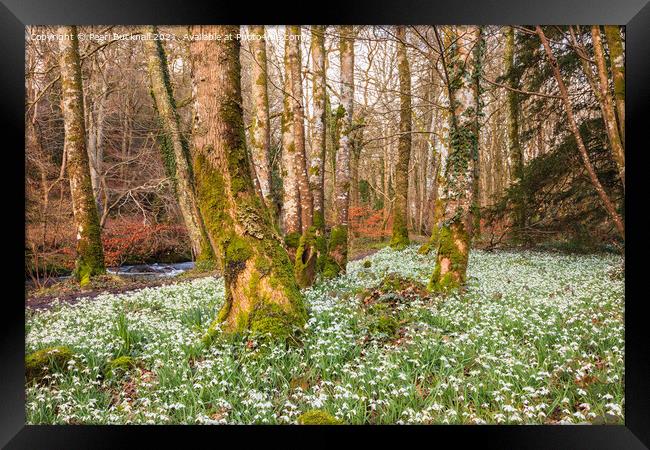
point(617, 62)
point(175, 151)
point(90, 254)
point(474, 230)
point(317, 164)
point(291, 214)
point(260, 134)
point(306, 202)
point(306, 254)
point(400, 234)
point(608, 205)
point(95, 142)
point(338, 244)
point(514, 145)
point(261, 292)
point(454, 240)
point(609, 115)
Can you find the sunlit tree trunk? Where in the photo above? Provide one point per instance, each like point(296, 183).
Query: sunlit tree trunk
point(317, 162)
point(454, 239)
point(609, 114)
point(608, 205)
point(260, 132)
point(617, 62)
point(400, 236)
point(174, 147)
point(306, 254)
point(338, 243)
point(90, 254)
point(291, 215)
point(261, 293)
point(95, 130)
point(306, 201)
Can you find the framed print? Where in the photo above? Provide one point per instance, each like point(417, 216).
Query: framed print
point(381, 214)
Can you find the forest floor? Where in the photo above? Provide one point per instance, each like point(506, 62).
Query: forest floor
point(68, 290)
point(535, 338)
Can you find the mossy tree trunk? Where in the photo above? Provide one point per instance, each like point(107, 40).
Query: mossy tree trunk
point(400, 235)
point(454, 239)
point(261, 293)
point(90, 254)
point(324, 263)
point(338, 241)
point(514, 145)
point(260, 133)
point(306, 254)
point(617, 64)
point(564, 94)
point(175, 150)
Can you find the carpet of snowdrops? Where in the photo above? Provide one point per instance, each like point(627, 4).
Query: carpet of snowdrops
point(536, 338)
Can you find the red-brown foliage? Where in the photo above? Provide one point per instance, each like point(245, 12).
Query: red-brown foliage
point(367, 222)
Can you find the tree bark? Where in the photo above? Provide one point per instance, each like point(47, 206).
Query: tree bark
point(609, 114)
point(306, 201)
point(260, 134)
point(608, 205)
point(338, 243)
point(617, 62)
point(400, 235)
point(454, 240)
point(174, 147)
point(317, 163)
point(514, 145)
point(261, 293)
point(291, 214)
point(474, 230)
point(90, 254)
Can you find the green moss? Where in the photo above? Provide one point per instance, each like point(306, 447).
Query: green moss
point(306, 258)
point(338, 236)
point(400, 238)
point(319, 220)
point(384, 323)
point(447, 248)
point(44, 361)
point(318, 417)
point(367, 264)
point(271, 320)
point(292, 240)
point(119, 366)
point(237, 252)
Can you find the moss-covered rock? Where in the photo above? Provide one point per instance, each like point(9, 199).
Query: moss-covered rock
point(119, 366)
point(45, 361)
point(318, 417)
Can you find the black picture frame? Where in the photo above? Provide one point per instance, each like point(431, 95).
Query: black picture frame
point(15, 14)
